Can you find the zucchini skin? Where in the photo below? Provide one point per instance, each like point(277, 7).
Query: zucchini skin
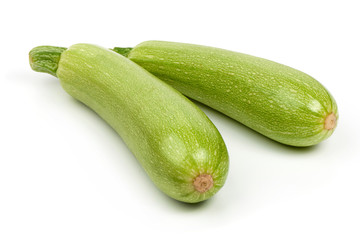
point(275, 100)
point(171, 137)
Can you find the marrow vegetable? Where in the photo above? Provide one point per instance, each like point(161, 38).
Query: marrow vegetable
point(275, 100)
point(175, 142)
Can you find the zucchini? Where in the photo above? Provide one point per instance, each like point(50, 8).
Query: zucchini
point(275, 100)
point(175, 142)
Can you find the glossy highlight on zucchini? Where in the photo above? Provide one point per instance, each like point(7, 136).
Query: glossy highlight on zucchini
point(175, 142)
point(275, 100)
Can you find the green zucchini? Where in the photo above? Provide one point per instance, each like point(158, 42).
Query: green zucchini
point(275, 100)
point(175, 142)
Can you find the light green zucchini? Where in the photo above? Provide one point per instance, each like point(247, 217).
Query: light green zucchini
point(175, 142)
point(275, 100)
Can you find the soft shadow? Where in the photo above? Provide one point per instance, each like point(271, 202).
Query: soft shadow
point(188, 207)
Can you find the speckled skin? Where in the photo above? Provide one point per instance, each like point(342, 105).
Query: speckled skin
point(279, 102)
point(171, 137)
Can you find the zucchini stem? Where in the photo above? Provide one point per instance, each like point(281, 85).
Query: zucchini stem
point(123, 51)
point(45, 59)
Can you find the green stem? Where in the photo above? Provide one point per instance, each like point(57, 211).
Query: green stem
point(45, 59)
point(123, 51)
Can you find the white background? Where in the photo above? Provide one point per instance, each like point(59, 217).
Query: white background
point(65, 174)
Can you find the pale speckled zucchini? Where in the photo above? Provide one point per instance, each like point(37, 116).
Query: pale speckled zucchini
point(275, 100)
point(177, 145)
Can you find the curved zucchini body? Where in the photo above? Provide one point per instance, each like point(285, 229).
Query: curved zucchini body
point(175, 142)
point(275, 100)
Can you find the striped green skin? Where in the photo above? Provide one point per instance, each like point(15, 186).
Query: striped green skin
point(275, 100)
point(172, 138)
